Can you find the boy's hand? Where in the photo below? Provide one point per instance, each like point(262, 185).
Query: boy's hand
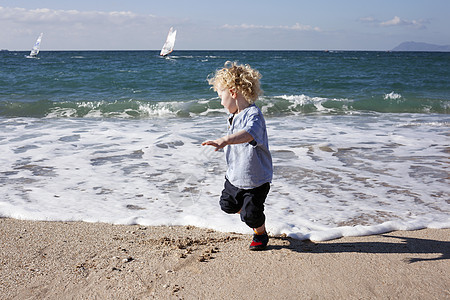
point(219, 143)
point(235, 138)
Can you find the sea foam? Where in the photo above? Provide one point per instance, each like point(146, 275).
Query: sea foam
point(392, 96)
point(333, 175)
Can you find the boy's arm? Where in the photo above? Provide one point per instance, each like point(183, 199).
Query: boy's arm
point(235, 138)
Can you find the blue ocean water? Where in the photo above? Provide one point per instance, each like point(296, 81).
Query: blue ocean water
point(115, 82)
point(360, 140)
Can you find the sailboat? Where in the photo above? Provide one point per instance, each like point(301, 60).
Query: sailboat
point(170, 42)
point(35, 50)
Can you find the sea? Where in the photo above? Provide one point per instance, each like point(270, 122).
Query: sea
point(360, 140)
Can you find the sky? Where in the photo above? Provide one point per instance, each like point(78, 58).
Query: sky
point(223, 25)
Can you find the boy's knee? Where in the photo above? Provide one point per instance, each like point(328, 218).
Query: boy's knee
point(228, 201)
point(229, 207)
point(253, 220)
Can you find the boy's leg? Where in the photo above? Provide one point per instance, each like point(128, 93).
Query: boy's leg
point(261, 229)
point(252, 213)
point(229, 201)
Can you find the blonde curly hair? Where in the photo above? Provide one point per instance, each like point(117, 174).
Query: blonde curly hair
point(241, 78)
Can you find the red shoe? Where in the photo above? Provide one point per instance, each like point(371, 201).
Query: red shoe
point(259, 242)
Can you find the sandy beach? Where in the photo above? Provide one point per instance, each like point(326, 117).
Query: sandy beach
point(77, 260)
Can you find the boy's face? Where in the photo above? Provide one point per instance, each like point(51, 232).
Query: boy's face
point(227, 100)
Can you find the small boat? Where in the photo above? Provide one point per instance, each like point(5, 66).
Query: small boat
point(170, 42)
point(35, 50)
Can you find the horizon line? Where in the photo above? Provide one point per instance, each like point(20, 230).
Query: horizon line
point(157, 50)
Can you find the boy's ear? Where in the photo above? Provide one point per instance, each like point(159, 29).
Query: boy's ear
point(233, 93)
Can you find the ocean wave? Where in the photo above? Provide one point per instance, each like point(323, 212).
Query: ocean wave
point(388, 103)
point(294, 104)
point(270, 105)
point(392, 96)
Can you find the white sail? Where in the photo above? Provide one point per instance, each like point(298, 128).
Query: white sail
point(170, 42)
point(36, 47)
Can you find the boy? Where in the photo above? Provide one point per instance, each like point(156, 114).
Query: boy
point(249, 173)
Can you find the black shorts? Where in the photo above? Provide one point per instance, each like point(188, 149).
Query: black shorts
point(249, 202)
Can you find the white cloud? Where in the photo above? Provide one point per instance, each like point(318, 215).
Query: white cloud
point(45, 15)
point(395, 21)
point(73, 29)
point(368, 19)
point(296, 26)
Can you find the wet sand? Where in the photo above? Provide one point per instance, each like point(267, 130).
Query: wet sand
point(78, 260)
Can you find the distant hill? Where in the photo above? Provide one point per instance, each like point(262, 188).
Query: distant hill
point(415, 46)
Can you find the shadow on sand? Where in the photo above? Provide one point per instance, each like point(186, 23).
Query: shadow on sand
point(406, 245)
